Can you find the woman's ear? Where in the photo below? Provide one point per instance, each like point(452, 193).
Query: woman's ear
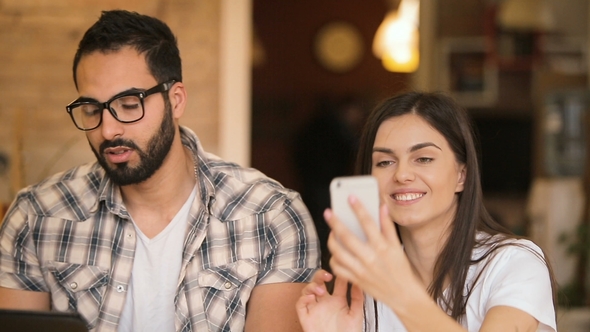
point(461, 179)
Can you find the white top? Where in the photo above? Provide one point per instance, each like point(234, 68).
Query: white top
point(515, 277)
point(149, 305)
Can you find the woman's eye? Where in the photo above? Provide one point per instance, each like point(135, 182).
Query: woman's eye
point(384, 163)
point(424, 160)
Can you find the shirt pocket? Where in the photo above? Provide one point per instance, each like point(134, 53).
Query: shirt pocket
point(231, 281)
point(84, 288)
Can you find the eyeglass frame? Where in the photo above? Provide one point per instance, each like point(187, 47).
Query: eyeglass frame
point(140, 93)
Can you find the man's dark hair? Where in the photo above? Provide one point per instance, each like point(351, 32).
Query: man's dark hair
point(148, 35)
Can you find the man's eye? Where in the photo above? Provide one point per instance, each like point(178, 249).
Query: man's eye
point(130, 107)
point(90, 110)
point(128, 103)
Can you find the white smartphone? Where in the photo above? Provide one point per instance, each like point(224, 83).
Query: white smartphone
point(366, 189)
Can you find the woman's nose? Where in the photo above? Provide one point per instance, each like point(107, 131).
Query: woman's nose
point(403, 172)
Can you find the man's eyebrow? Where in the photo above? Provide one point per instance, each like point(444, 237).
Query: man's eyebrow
point(86, 99)
point(130, 90)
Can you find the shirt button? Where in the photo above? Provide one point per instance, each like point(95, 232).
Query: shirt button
point(120, 288)
point(74, 285)
point(129, 235)
point(227, 285)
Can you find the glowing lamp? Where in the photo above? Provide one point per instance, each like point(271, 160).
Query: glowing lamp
point(396, 41)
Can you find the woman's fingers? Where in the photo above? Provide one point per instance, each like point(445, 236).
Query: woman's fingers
point(312, 293)
point(370, 226)
point(350, 255)
point(317, 286)
point(353, 259)
point(314, 289)
point(379, 237)
point(344, 261)
point(388, 226)
point(302, 305)
point(342, 234)
point(321, 276)
point(340, 287)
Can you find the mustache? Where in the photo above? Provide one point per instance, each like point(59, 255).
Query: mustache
point(116, 143)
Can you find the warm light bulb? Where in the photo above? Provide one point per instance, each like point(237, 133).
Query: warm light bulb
point(396, 41)
point(403, 58)
point(401, 55)
point(379, 41)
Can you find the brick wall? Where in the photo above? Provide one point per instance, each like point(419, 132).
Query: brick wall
point(38, 39)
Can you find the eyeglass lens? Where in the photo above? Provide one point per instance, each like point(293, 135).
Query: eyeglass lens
point(124, 109)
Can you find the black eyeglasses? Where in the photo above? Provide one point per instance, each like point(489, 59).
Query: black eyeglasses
point(126, 107)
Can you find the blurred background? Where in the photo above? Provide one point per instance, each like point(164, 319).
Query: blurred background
point(284, 86)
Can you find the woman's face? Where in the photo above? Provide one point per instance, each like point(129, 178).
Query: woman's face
point(417, 172)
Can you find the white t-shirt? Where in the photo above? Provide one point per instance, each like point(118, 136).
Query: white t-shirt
point(515, 277)
point(149, 305)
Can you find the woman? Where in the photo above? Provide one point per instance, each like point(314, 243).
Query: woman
point(457, 269)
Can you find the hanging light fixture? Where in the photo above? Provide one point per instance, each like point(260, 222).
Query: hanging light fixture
point(396, 42)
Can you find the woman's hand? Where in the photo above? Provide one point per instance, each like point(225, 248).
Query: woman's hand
point(321, 311)
point(379, 266)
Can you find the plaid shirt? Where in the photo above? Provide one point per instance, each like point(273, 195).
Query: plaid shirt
point(72, 236)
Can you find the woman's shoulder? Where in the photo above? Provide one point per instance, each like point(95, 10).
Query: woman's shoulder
point(511, 272)
point(502, 250)
point(501, 244)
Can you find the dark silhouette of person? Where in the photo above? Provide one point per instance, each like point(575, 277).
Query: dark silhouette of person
point(324, 148)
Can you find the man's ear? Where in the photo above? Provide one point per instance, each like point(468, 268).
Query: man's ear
point(461, 179)
point(177, 95)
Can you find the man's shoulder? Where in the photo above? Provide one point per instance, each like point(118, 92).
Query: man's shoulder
point(246, 190)
point(246, 175)
point(221, 172)
point(229, 174)
point(80, 176)
point(217, 170)
point(64, 188)
point(239, 191)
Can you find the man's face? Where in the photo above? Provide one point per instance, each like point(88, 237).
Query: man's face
point(130, 153)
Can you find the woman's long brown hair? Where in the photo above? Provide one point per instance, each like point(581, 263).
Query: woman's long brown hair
point(471, 217)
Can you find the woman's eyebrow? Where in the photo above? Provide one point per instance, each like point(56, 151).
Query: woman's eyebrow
point(383, 150)
point(411, 149)
point(423, 145)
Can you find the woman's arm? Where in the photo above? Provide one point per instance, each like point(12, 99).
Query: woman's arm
point(381, 269)
point(503, 318)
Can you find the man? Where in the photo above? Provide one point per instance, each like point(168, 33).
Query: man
point(158, 235)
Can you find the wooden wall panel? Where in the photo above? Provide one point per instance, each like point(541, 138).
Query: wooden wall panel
point(38, 40)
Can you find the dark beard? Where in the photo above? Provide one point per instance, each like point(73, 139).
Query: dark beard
point(150, 160)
